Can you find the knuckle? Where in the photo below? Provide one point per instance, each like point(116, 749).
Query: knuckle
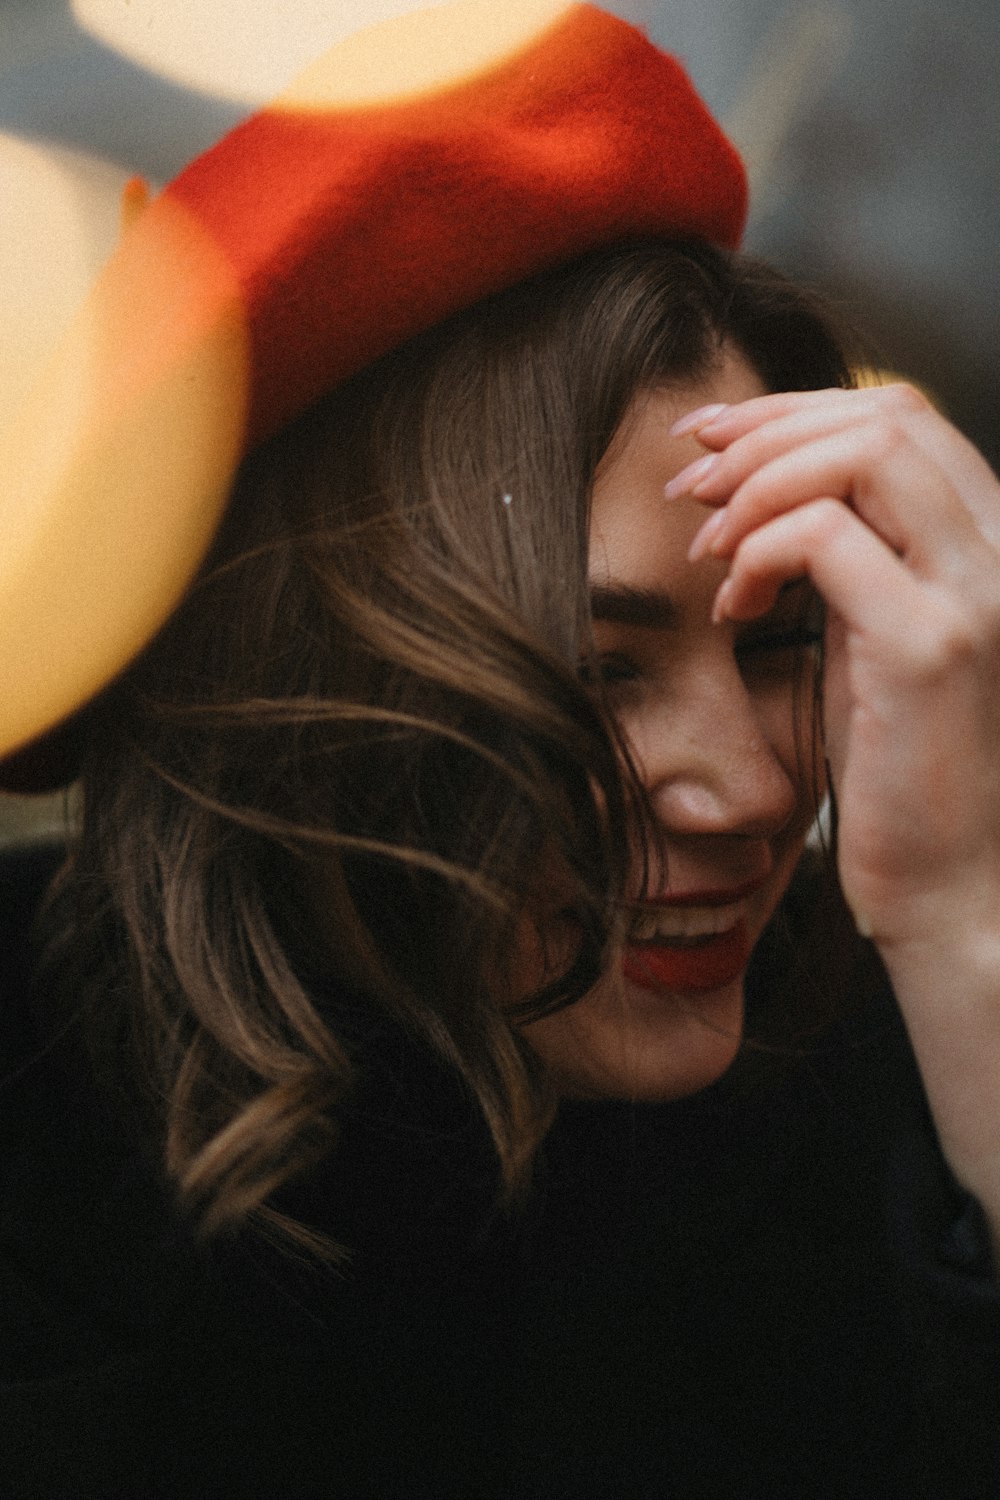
point(903, 398)
point(827, 520)
point(884, 439)
point(949, 644)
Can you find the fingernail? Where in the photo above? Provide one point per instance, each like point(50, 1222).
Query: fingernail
point(721, 601)
point(707, 536)
point(684, 482)
point(695, 419)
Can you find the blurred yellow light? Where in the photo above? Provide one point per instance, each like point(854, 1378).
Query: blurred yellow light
point(416, 54)
point(115, 470)
point(59, 224)
point(248, 50)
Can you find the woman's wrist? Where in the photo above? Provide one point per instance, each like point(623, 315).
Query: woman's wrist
point(947, 984)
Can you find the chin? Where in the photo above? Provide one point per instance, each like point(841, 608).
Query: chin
point(622, 1041)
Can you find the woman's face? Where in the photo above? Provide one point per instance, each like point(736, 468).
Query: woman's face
point(710, 714)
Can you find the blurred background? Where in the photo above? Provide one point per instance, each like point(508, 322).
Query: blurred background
point(872, 132)
point(871, 129)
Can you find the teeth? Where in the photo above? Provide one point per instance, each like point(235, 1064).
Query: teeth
point(684, 921)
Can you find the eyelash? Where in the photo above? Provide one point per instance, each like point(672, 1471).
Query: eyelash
point(610, 671)
point(615, 670)
point(798, 638)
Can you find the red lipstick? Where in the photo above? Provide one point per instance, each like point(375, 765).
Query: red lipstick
point(693, 969)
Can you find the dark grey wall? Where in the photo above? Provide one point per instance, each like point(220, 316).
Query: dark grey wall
point(873, 132)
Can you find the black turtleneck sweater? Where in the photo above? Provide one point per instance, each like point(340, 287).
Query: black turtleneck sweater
point(768, 1291)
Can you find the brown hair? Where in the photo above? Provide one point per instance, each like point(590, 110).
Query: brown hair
point(323, 794)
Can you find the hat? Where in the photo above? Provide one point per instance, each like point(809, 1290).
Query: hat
point(356, 211)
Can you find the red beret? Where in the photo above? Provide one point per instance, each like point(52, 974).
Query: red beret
point(338, 228)
point(348, 231)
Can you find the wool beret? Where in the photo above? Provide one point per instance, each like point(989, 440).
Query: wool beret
point(352, 228)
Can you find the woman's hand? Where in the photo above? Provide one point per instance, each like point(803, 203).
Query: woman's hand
point(895, 518)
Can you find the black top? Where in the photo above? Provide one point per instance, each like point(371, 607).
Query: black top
point(769, 1291)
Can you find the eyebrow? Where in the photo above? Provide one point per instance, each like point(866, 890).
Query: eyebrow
point(622, 605)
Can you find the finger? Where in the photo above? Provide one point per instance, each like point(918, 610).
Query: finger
point(891, 483)
point(712, 477)
point(860, 578)
point(719, 427)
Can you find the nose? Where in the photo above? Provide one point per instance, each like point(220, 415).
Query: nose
point(719, 759)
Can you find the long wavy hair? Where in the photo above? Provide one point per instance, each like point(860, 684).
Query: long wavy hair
point(321, 799)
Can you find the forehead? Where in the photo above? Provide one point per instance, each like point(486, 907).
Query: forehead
point(637, 536)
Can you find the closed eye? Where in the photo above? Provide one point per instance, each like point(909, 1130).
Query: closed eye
point(796, 638)
point(787, 630)
point(779, 653)
point(610, 670)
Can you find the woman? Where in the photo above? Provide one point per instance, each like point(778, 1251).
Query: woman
point(435, 906)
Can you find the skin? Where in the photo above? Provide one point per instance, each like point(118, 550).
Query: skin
point(708, 711)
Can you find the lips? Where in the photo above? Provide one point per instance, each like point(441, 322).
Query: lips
point(721, 897)
point(692, 967)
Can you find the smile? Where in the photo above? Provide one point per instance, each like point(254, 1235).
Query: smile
point(691, 949)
